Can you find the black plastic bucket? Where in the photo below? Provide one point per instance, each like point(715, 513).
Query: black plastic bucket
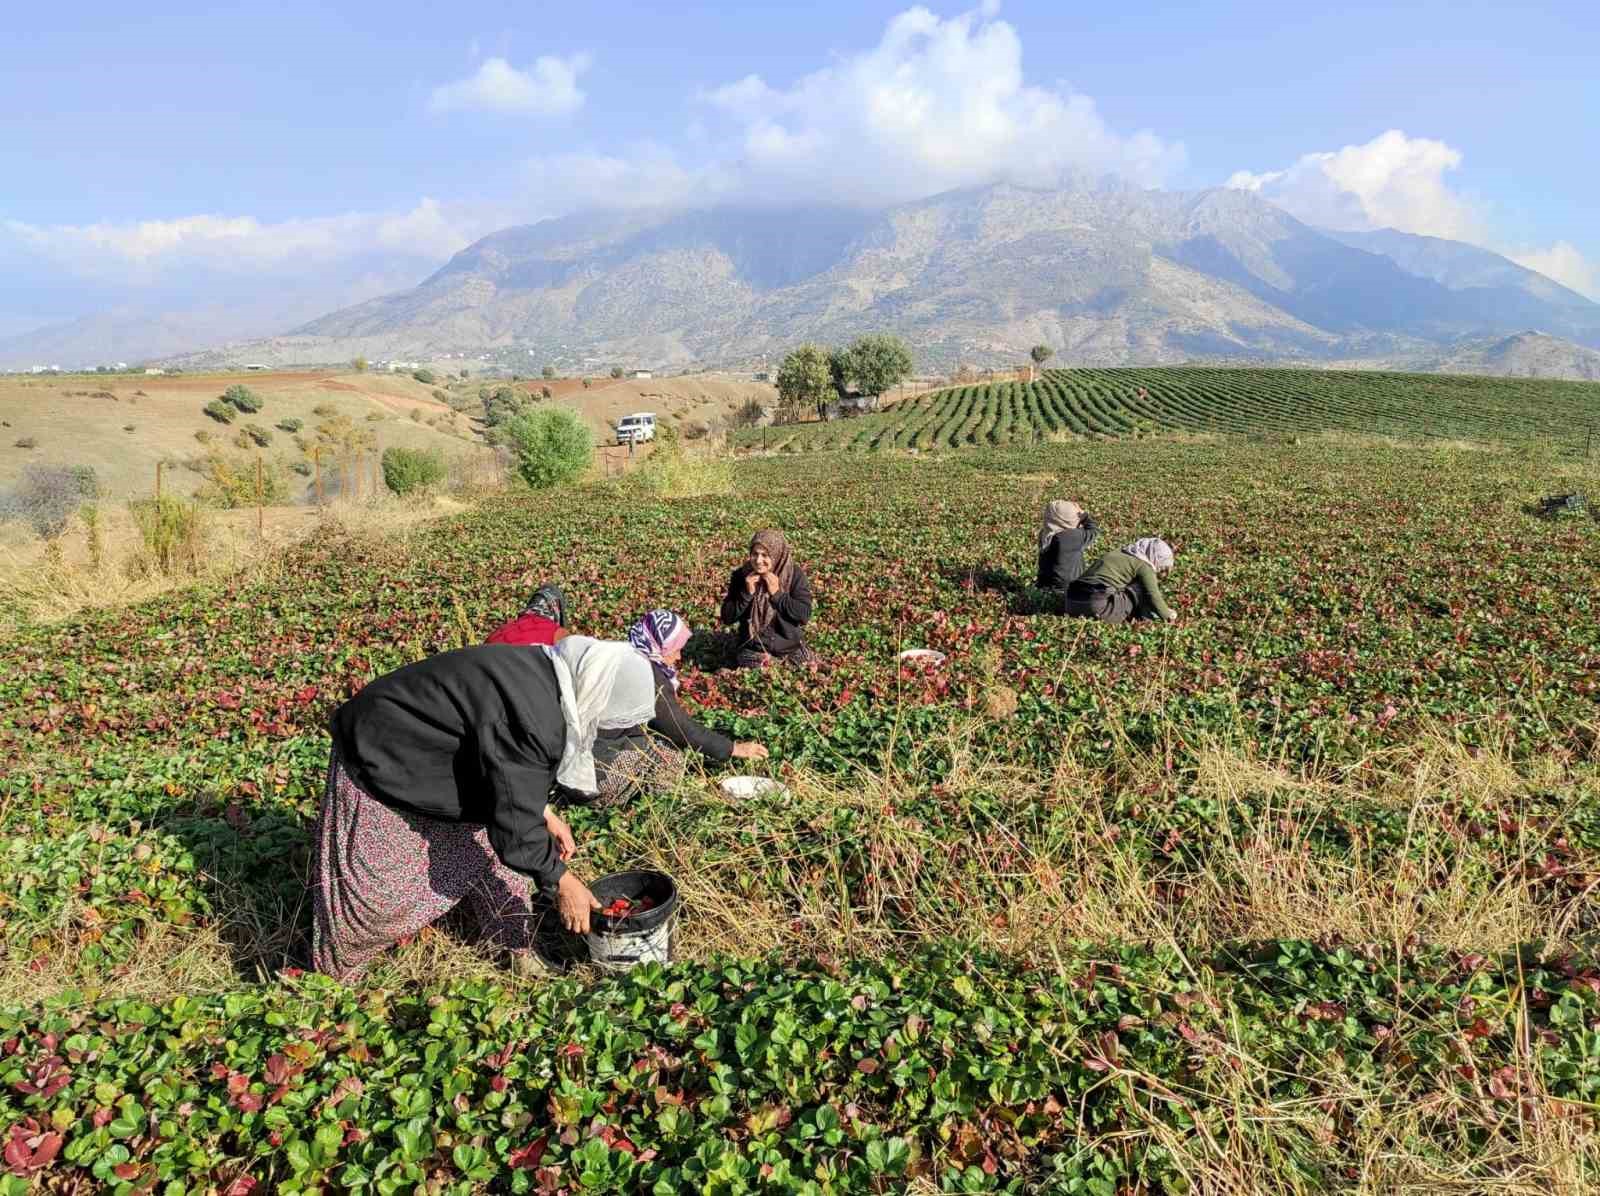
point(617, 944)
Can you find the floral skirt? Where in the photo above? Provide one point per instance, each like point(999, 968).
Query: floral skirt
point(631, 765)
point(380, 875)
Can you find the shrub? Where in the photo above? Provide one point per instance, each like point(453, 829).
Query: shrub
point(424, 376)
point(203, 436)
point(173, 531)
point(219, 411)
point(374, 416)
point(616, 371)
point(47, 495)
point(552, 447)
point(261, 436)
point(232, 483)
point(544, 392)
point(749, 414)
point(26, 442)
point(416, 415)
point(406, 471)
point(242, 398)
point(359, 365)
point(503, 405)
point(303, 468)
point(442, 396)
point(325, 410)
point(290, 425)
point(586, 384)
point(548, 372)
point(128, 427)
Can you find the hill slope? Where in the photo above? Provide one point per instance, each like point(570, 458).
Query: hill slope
point(1106, 274)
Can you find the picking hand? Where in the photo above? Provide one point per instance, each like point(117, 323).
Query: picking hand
point(749, 751)
point(575, 903)
point(566, 845)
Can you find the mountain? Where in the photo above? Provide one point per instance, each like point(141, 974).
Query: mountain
point(108, 337)
point(1105, 273)
point(1526, 355)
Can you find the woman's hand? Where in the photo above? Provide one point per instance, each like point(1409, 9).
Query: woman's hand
point(575, 903)
point(749, 751)
point(770, 580)
point(561, 833)
point(751, 580)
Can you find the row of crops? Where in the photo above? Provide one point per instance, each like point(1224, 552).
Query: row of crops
point(1142, 401)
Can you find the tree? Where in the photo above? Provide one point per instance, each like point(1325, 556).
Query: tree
point(1040, 355)
point(548, 372)
point(360, 365)
point(553, 446)
point(424, 376)
point(839, 371)
point(408, 470)
point(616, 371)
point(877, 363)
point(804, 378)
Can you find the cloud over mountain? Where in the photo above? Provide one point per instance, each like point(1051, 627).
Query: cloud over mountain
point(547, 88)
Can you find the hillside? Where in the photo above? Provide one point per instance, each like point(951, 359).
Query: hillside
point(1525, 355)
point(1122, 402)
point(1106, 274)
point(121, 425)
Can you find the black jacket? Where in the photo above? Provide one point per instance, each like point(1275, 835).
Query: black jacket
point(672, 723)
point(473, 736)
point(791, 612)
point(1061, 561)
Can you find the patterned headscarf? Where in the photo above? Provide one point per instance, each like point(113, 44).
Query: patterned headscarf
point(777, 547)
point(1152, 551)
point(1059, 516)
point(658, 633)
point(549, 602)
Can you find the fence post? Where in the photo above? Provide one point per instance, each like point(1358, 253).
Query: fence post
point(316, 465)
point(158, 481)
point(260, 529)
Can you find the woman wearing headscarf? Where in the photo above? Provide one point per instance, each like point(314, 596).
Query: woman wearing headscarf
point(661, 636)
point(542, 622)
point(769, 597)
point(1122, 586)
point(439, 780)
point(1065, 534)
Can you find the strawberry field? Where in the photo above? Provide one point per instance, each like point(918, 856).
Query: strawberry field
point(1294, 895)
point(1088, 402)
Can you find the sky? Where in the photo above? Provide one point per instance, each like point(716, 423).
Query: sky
point(270, 163)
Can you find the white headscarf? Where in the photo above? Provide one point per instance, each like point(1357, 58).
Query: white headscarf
point(604, 687)
point(1059, 516)
point(1152, 551)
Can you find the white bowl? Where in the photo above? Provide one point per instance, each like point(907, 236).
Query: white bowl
point(923, 656)
point(747, 787)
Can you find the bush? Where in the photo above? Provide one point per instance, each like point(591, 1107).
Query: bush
point(544, 392)
point(203, 436)
point(26, 442)
point(290, 425)
point(548, 372)
point(261, 436)
point(242, 398)
point(503, 405)
point(232, 483)
point(173, 531)
point(586, 384)
point(303, 468)
point(552, 447)
point(128, 428)
point(219, 411)
point(360, 365)
point(749, 414)
point(407, 471)
point(325, 410)
point(47, 495)
point(616, 371)
point(424, 376)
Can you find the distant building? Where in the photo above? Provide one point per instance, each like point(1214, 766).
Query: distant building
point(152, 371)
point(255, 365)
point(641, 374)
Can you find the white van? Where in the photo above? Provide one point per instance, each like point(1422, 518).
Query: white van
point(636, 428)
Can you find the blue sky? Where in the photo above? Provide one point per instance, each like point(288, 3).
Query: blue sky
point(167, 155)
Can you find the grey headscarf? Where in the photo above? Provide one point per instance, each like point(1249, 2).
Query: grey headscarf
point(1059, 516)
point(1156, 553)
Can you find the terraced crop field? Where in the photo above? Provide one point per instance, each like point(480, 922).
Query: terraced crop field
point(1130, 402)
point(1295, 895)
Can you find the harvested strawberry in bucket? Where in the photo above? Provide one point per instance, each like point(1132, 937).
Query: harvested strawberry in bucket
point(635, 919)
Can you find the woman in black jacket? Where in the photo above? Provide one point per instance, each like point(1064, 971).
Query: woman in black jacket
point(661, 636)
point(1065, 533)
point(769, 597)
point(439, 780)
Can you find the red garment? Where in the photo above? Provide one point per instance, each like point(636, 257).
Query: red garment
point(527, 629)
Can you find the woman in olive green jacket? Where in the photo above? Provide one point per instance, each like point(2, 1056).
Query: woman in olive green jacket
point(1122, 586)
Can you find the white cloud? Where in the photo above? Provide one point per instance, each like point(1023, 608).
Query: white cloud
point(548, 88)
point(1396, 181)
point(936, 104)
point(238, 244)
point(1392, 181)
point(1565, 263)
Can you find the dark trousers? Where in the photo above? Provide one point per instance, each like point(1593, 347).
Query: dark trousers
point(1089, 601)
point(754, 657)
